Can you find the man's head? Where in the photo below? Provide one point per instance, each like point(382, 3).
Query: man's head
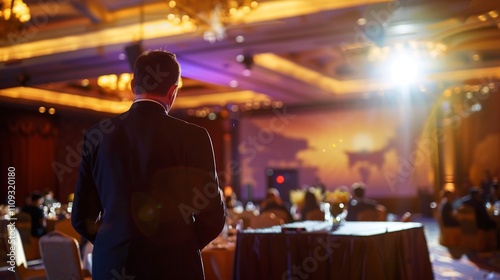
point(273, 195)
point(358, 189)
point(448, 194)
point(475, 193)
point(36, 199)
point(156, 75)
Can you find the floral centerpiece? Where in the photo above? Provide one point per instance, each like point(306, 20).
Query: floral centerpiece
point(297, 197)
point(338, 201)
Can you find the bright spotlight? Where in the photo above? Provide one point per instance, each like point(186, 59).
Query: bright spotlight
point(405, 69)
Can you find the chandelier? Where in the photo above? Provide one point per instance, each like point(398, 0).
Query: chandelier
point(13, 15)
point(211, 16)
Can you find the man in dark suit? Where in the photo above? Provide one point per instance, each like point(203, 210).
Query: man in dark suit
point(147, 195)
point(359, 203)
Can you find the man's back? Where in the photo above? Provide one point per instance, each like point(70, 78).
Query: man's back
point(149, 173)
point(358, 205)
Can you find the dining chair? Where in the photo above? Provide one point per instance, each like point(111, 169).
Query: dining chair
point(22, 271)
point(30, 243)
point(65, 226)
point(61, 257)
point(472, 237)
point(381, 212)
point(283, 214)
point(315, 215)
point(406, 217)
point(266, 220)
point(368, 215)
point(448, 236)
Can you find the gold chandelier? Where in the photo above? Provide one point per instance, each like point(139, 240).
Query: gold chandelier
point(212, 16)
point(13, 15)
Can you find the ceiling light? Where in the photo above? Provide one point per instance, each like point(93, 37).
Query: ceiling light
point(212, 17)
point(13, 15)
point(493, 14)
point(405, 69)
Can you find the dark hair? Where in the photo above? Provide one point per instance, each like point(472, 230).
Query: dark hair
point(445, 193)
point(358, 189)
point(35, 196)
point(474, 190)
point(155, 72)
point(310, 199)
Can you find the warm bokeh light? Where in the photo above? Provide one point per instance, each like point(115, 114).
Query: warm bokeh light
point(362, 142)
point(449, 187)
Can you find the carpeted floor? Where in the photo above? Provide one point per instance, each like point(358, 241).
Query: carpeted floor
point(462, 266)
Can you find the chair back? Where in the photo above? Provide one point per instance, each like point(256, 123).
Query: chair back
point(368, 215)
point(266, 220)
point(448, 236)
point(61, 256)
point(283, 214)
point(381, 212)
point(22, 272)
point(315, 215)
point(65, 227)
point(23, 224)
point(406, 217)
point(246, 217)
point(467, 220)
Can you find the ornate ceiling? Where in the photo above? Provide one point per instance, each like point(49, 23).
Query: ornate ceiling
point(298, 52)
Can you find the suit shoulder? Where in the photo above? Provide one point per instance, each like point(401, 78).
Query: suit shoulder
point(106, 125)
point(188, 126)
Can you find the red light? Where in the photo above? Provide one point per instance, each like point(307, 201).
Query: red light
point(280, 179)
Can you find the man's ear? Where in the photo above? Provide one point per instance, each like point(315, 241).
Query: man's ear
point(132, 86)
point(172, 92)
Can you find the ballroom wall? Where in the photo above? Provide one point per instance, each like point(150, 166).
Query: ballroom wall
point(477, 135)
point(28, 145)
point(397, 146)
point(387, 143)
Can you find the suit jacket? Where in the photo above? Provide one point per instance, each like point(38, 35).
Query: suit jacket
point(147, 195)
point(357, 206)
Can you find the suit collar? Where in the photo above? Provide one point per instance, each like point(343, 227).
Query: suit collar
point(149, 103)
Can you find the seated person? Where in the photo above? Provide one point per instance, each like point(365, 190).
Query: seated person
point(475, 200)
point(48, 198)
point(34, 209)
point(274, 204)
point(310, 205)
point(446, 210)
point(359, 203)
point(231, 200)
